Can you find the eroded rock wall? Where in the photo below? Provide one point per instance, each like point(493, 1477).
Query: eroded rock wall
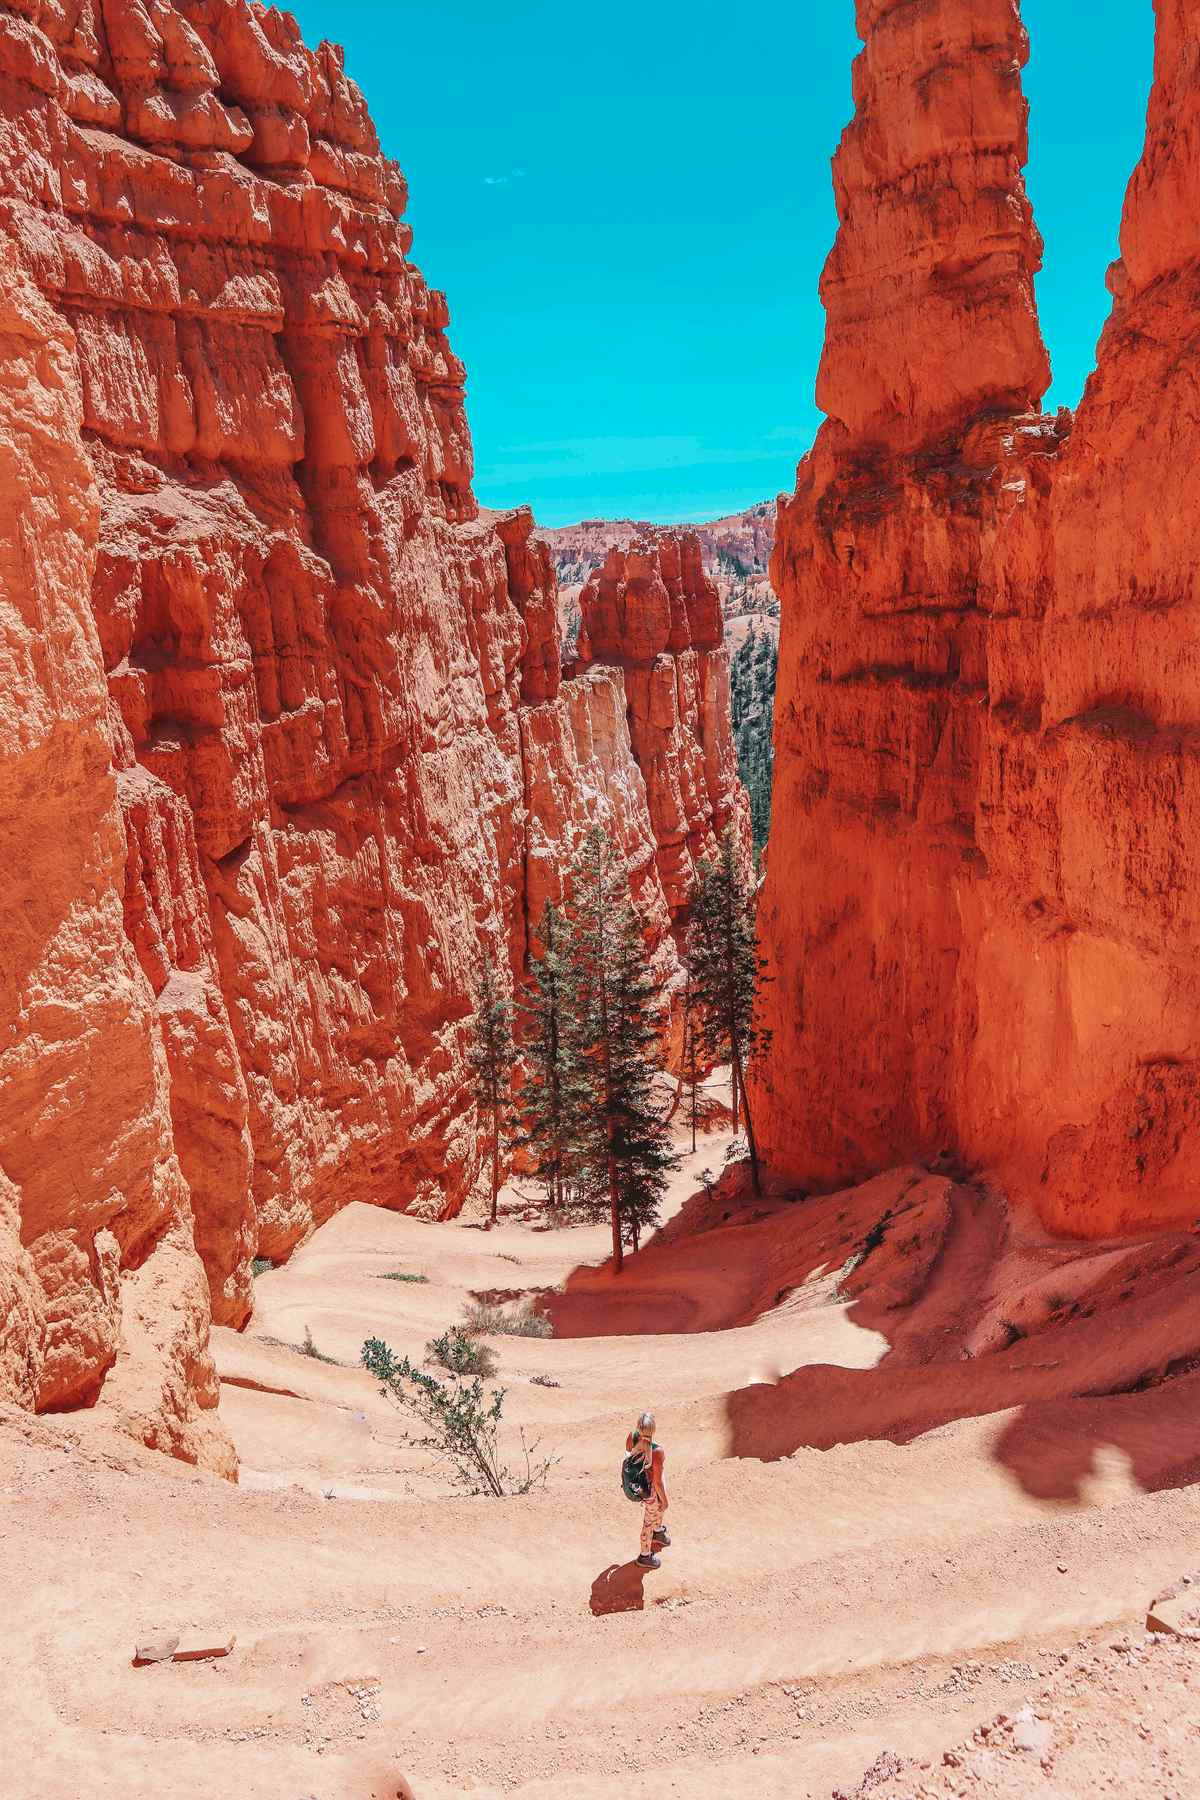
point(979, 905)
point(94, 1209)
point(1089, 1082)
point(287, 747)
point(652, 612)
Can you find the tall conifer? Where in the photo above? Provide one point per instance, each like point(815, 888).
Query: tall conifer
point(554, 1091)
point(625, 1156)
point(490, 1055)
point(690, 1058)
point(728, 973)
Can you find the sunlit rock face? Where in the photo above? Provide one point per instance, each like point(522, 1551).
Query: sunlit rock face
point(652, 612)
point(981, 906)
point(284, 743)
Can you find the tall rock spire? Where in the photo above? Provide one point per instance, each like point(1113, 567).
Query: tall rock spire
point(933, 365)
point(982, 906)
point(1160, 229)
point(929, 287)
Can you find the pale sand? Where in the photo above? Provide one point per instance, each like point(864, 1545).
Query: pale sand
point(811, 1611)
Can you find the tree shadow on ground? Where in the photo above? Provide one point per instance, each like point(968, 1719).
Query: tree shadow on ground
point(618, 1589)
point(704, 1271)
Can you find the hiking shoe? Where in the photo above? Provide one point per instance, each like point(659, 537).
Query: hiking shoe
point(649, 1562)
point(663, 1537)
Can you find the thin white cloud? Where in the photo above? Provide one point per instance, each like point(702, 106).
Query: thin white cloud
point(600, 456)
point(504, 180)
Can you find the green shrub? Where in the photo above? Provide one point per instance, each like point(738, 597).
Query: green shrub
point(460, 1354)
point(401, 1275)
point(260, 1265)
point(461, 1427)
point(309, 1348)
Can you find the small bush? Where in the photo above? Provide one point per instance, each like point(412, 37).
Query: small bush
point(309, 1348)
point(544, 1381)
point(461, 1426)
point(876, 1235)
point(261, 1265)
point(460, 1354)
point(401, 1275)
point(482, 1320)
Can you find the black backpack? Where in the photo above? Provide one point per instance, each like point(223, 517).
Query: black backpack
point(636, 1482)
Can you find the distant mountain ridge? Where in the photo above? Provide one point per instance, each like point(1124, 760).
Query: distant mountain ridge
point(737, 545)
point(736, 554)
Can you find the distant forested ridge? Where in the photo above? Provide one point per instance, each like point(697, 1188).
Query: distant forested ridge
point(752, 702)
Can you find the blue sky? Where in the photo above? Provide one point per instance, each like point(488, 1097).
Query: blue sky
point(629, 205)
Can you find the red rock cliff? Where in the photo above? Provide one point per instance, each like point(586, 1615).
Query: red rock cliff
point(981, 899)
point(284, 745)
point(653, 612)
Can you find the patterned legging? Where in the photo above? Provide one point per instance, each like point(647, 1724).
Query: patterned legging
point(652, 1518)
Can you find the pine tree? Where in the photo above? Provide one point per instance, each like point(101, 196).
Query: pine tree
point(624, 1155)
point(752, 704)
point(554, 1091)
point(690, 1059)
point(491, 1055)
point(727, 974)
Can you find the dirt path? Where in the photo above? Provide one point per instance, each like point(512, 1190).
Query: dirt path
point(905, 1570)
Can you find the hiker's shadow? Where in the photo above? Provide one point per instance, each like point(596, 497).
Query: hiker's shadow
point(619, 1588)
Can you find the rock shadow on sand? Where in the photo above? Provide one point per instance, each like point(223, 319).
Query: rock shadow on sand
point(1090, 1345)
point(1116, 1367)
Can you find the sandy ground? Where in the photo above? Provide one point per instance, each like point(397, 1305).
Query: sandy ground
point(1115, 1717)
point(918, 1454)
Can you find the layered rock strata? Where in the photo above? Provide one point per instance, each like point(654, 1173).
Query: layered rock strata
point(739, 544)
point(652, 612)
point(284, 744)
point(980, 907)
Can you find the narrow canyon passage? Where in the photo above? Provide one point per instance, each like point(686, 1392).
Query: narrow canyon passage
point(299, 742)
point(899, 1577)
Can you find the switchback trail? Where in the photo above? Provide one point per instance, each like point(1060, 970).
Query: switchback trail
point(870, 1550)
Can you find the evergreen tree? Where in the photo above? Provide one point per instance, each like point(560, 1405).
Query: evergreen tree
point(691, 1056)
point(624, 1155)
point(752, 706)
point(727, 974)
point(554, 1092)
point(491, 1057)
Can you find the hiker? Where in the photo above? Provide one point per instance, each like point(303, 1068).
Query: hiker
point(641, 1448)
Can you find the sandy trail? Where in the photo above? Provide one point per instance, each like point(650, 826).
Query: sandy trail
point(899, 1492)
